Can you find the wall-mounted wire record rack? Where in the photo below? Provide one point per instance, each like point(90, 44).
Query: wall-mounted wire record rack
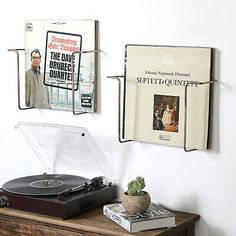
point(119, 78)
point(72, 78)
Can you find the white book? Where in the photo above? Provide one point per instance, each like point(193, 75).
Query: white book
point(155, 217)
point(154, 96)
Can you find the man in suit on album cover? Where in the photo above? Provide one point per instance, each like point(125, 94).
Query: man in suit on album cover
point(36, 93)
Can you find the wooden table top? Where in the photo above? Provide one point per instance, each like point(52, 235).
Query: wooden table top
point(95, 221)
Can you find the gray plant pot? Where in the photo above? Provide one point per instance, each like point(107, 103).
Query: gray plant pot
point(136, 204)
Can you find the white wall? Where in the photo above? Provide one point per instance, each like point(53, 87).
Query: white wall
point(201, 182)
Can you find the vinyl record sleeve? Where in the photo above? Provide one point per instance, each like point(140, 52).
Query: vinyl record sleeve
point(59, 43)
point(154, 99)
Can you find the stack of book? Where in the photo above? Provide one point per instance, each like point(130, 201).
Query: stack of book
point(155, 217)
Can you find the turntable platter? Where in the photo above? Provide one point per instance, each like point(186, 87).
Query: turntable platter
point(43, 185)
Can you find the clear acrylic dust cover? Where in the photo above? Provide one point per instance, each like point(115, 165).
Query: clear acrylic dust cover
point(66, 150)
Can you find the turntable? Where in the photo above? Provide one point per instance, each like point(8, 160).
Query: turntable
point(78, 175)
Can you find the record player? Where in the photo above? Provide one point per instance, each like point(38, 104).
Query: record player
point(77, 175)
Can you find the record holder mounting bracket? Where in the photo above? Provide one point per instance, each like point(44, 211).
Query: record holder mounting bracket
point(118, 78)
point(185, 109)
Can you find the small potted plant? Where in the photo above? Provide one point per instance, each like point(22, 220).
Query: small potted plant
point(135, 199)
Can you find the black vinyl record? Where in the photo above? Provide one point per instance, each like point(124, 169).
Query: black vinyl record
point(43, 185)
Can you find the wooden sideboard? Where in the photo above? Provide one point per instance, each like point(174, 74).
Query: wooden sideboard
point(92, 223)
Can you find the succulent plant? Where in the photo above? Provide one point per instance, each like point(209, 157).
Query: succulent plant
point(136, 186)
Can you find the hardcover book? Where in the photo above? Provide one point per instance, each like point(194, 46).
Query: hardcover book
point(154, 96)
point(60, 60)
point(155, 217)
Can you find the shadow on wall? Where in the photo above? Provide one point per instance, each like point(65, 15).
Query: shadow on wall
point(187, 203)
point(190, 204)
point(204, 229)
point(214, 140)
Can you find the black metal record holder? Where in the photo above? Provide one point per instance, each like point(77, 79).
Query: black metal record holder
point(185, 110)
point(121, 140)
point(118, 78)
point(72, 77)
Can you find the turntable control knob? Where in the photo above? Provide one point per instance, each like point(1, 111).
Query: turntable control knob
point(3, 201)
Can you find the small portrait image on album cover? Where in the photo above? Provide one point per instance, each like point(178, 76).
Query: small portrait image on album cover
point(166, 113)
